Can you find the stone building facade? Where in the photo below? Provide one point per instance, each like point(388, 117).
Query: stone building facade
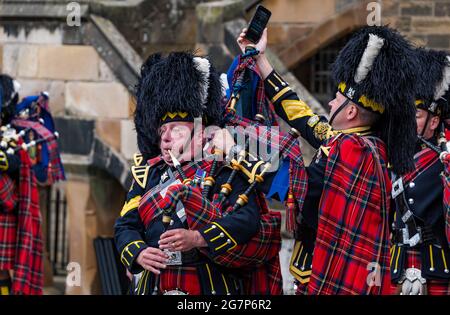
point(90, 70)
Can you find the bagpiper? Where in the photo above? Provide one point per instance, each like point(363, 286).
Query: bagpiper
point(190, 224)
point(33, 114)
point(342, 234)
point(21, 271)
point(420, 250)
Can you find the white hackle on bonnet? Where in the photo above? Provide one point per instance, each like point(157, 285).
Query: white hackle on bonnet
point(370, 53)
point(203, 65)
point(444, 85)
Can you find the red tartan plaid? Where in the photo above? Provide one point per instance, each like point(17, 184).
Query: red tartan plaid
point(266, 279)
point(8, 234)
point(181, 278)
point(434, 287)
point(200, 212)
point(262, 247)
point(8, 196)
point(55, 168)
point(262, 105)
point(149, 207)
point(28, 268)
point(8, 222)
point(184, 278)
point(353, 229)
point(287, 146)
point(423, 160)
point(446, 180)
point(261, 252)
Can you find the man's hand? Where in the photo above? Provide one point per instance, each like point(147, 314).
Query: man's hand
point(152, 259)
point(181, 240)
point(244, 42)
point(263, 63)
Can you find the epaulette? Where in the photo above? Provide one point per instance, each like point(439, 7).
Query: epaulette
point(140, 174)
point(3, 161)
point(137, 159)
point(325, 150)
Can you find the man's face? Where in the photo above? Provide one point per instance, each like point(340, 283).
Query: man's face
point(339, 121)
point(176, 137)
point(425, 129)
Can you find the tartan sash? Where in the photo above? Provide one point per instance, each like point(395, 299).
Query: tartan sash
point(353, 228)
point(264, 246)
point(422, 161)
point(260, 254)
point(262, 105)
point(149, 205)
point(55, 171)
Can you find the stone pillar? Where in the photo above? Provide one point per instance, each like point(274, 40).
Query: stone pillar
point(80, 221)
point(93, 202)
point(44, 192)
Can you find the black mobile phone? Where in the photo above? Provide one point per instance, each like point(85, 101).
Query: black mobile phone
point(258, 24)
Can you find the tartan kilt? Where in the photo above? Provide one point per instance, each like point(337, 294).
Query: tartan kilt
point(8, 237)
point(8, 222)
point(183, 278)
point(8, 194)
point(434, 287)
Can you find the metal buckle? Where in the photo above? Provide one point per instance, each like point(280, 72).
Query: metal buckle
point(411, 241)
point(413, 283)
point(408, 214)
point(397, 188)
point(175, 292)
point(174, 258)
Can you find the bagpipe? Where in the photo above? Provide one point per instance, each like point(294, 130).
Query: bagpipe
point(13, 140)
point(33, 130)
point(244, 108)
point(443, 145)
point(239, 110)
point(248, 109)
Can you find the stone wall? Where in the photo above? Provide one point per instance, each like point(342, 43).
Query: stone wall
point(292, 19)
point(153, 25)
point(80, 83)
point(427, 23)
